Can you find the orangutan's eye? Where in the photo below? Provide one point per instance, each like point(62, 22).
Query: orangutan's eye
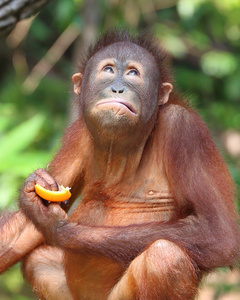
point(108, 69)
point(133, 72)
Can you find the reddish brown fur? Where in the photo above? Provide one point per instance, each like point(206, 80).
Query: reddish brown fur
point(18, 237)
point(116, 249)
point(201, 185)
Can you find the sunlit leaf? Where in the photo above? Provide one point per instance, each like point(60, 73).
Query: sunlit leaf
point(218, 63)
point(24, 163)
point(227, 4)
point(20, 137)
point(4, 122)
point(174, 45)
point(8, 189)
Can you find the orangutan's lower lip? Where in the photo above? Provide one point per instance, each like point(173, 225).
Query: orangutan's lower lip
point(118, 101)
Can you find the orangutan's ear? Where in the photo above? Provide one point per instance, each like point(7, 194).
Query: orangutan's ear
point(166, 89)
point(77, 82)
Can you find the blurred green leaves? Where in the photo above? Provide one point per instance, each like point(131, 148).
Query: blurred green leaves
point(187, 8)
point(15, 160)
point(219, 63)
point(17, 139)
point(227, 5)
point(13, 282)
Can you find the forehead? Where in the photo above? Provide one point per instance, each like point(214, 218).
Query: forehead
point(124, 52)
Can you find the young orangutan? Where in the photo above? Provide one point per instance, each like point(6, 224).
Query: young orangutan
point(157, 209)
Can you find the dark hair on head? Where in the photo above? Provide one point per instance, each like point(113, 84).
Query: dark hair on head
point(144, 40)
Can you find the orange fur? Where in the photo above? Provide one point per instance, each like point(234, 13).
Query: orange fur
point(157, 206)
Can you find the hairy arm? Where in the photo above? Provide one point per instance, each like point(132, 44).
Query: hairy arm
point(203, 189)
point(68, 165)
point(18, 236)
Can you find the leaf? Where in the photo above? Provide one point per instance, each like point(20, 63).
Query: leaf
point(25, 163)
point(8, 189)
point(219, 63)
point(20, 137)
point(174, 45)
point(4, 122)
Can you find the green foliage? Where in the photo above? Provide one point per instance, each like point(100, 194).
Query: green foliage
point(19, 138)
point(12, 286)
point(28, 132)
point(16, 163)
point(219, 63)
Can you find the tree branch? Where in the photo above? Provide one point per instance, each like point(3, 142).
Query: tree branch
point(12, 11)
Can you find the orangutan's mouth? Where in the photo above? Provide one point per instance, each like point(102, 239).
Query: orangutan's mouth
point(118, 102)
